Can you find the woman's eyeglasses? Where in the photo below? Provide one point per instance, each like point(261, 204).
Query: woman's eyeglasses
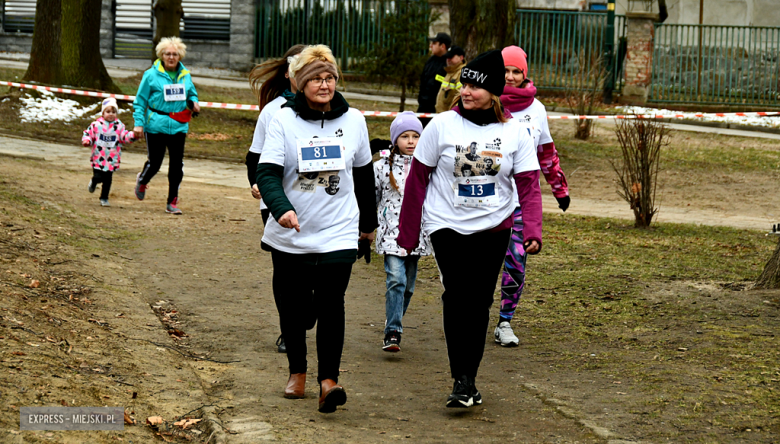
point(319, 82)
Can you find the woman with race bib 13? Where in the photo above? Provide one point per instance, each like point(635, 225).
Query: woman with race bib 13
point(471, 212)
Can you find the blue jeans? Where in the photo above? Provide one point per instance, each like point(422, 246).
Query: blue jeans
point(401, 274)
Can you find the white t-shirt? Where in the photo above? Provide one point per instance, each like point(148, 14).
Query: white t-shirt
point(324, 201)
point(471, 189)
point(262, 123)
point(536, 116)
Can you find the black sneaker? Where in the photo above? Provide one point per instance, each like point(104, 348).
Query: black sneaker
point(392, 342)
point(280, 345)
point(462, 393)
point(475, 395)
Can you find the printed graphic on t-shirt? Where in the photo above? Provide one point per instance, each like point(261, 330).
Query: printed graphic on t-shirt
point(472, 160)
point(308, 182)
point(475, 170)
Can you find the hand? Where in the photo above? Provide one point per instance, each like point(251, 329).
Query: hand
point(256, 192)
point(290, 220)
point(531, 247)
point(364, 249)
point(563, 202)
point(85, 143)
point(196, 107)
point(370, 236)
point(138, 132)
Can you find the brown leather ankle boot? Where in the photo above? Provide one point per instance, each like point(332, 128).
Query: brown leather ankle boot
point(331, 396)
point(296, 386)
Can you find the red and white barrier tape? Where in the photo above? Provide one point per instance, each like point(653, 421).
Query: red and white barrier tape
point(239, 106)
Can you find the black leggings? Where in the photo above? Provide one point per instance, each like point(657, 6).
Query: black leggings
point(470, 266)
point(155, 152)
point(320, 294)
point(104, 177)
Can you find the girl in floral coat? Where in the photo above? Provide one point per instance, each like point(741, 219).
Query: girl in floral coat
point(106, 135)
point(390, 177)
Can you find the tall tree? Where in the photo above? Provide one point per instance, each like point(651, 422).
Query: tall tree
point(168, 15)
point(66, 45)
point(480, 25)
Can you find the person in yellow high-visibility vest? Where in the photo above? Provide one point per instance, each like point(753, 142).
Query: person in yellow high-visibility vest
point(450, 83)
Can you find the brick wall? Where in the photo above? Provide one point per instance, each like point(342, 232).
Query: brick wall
point(639, 59)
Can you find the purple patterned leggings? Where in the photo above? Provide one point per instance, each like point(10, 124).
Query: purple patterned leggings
point(513, 277)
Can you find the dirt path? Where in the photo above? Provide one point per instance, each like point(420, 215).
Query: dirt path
point(211, 269)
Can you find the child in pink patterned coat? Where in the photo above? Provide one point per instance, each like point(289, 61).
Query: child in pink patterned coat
point(106, 135)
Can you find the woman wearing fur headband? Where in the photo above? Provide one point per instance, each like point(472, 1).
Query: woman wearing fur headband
point(316, 220)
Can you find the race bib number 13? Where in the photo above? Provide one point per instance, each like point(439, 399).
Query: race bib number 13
point(320, 154)
point(174, 92)
point(476, 192)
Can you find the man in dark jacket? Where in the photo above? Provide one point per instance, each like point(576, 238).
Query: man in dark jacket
point(429, 86)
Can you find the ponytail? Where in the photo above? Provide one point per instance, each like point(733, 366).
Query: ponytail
point(394, 151)
point(267, 79)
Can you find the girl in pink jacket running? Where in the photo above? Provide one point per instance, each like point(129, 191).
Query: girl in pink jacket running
point(106, 135)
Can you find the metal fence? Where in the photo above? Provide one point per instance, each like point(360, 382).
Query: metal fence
point(18, 15)
point(348, 27)
point(563, 46)
point(134, 24)
point(708, 64)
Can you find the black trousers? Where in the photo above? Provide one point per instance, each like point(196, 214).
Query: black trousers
point(264, 213)
point(104, 177)
point(303, 291)
point(470, 266)
point(155, 152)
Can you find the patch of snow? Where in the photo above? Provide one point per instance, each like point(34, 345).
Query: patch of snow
point(767, 122)
point(48, 108)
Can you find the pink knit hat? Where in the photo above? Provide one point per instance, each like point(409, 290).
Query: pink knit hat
point(515, 56)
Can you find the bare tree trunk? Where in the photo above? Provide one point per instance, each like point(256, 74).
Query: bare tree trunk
point(480, 25)
point(167, 14)
point(770, 277)
point(66, 45)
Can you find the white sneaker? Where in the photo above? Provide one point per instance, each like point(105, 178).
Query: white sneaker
point(505, 336)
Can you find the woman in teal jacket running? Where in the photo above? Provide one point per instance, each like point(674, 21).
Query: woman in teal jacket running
point(165, 103)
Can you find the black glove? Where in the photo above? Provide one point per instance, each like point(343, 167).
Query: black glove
point(563, 202)
point(190, 105)
point(364, 249)
point(380, 144)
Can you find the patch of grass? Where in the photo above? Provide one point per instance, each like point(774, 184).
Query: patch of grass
point(655, 310)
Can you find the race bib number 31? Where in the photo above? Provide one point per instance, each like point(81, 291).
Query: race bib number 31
point(476, 192)
point(320, 154)
point(174, 92)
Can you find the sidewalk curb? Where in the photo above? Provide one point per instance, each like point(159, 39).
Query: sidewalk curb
point(568, 412)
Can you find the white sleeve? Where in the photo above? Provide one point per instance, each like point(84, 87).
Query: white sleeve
point(274, 149)
point(363, 152)
point(544, 126)
point(428, 150)
point(525, 156)
point(259, 137)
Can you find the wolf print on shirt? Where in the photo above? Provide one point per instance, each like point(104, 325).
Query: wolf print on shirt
point(471, 160)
